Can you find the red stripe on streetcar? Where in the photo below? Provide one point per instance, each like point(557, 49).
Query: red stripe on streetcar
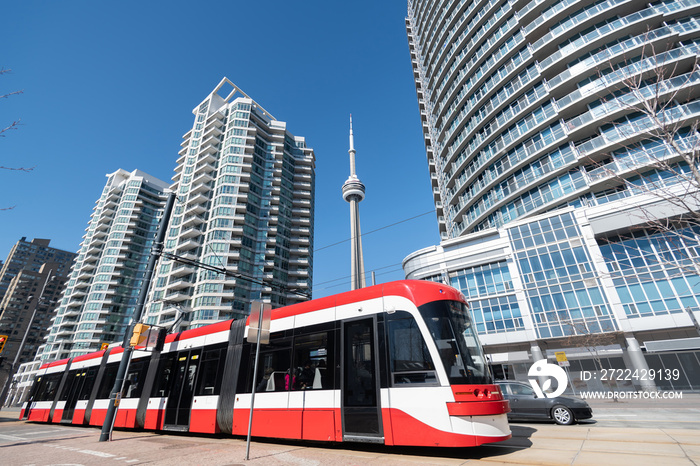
point(85, 357)
point(58, 363)
point(200, 331)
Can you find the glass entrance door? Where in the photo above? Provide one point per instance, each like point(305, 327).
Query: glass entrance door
point(177, 410)
point(361, 410)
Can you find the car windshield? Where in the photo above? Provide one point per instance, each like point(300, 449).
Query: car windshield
point(451, 328)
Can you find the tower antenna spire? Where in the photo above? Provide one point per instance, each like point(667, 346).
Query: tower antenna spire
point(351, 151)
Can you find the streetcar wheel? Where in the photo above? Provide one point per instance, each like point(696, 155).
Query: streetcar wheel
point(562, 415)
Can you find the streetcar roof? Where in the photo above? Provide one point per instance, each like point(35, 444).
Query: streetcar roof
point(418, 291)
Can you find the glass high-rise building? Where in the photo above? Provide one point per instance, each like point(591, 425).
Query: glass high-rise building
point(544, 171)
point(245, 203)
point(525, 105)
point(102, 290)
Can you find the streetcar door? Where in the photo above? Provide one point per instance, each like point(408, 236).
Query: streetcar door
point(360, 397)
point(73, 386)
point(177, 409)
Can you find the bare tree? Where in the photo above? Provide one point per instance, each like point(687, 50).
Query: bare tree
point(12, 126)
point(15, 123)
point(651, 143)
point(580, 335)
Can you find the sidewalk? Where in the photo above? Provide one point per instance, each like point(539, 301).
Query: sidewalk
point(532, 444)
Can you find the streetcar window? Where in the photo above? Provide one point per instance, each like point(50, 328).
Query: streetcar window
point(314, 362)
point(89, 383)
point(274, 367)
point(108, 379)
point(135, 377)
point(409, 359)
point(161, 386)
point(48, 387)
point(68, 385)
point(211, 371)
point(451, 327)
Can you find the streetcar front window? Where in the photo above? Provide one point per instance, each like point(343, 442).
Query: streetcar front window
point(409, 359)
point(451, 327)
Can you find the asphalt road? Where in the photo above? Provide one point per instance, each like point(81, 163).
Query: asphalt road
point(622, 433)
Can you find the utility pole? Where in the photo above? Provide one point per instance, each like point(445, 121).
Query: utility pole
point(128, 350)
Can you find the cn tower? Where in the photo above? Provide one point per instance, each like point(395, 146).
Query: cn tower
point(354, 192)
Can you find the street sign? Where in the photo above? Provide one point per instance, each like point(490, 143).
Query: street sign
point(258, 333)
point(256, 325)
point(561, 359)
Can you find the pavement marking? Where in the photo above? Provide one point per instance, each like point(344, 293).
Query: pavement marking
point(40, 432)
point(11, 437)
point(91, 452)
point(97, 453)
point(616, 415)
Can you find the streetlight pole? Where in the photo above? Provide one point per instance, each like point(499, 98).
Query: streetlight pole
point(13, 367)
point(156, 252)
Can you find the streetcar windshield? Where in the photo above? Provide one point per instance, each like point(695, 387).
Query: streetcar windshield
point(451, 328)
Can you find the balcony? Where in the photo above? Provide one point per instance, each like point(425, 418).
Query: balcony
point(179, 283)
point(179, 295)
point(182, 270)
point(188, 245)
point(197, 198)
point(202, 178)
point(192, 221)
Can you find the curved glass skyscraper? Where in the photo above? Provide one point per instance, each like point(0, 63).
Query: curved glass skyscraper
point(562, 143)
point(527, 105)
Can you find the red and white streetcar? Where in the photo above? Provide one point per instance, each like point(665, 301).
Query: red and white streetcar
point(398, 363)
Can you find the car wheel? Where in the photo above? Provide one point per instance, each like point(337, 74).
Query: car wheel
point(562, 415)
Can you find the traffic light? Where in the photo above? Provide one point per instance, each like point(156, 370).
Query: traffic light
point(140, 334)
point(3, 340)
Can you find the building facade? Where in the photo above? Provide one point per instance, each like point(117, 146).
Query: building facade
point(31, 298)
point(101, 293)
point(245, 188)
point(31, 255)
point(524, 103)
point(551, 127)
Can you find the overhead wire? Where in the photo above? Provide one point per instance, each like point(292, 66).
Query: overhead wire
point(376, 230)
point(373, 270)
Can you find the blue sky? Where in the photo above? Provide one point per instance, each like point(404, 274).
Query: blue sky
point(111, 85)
